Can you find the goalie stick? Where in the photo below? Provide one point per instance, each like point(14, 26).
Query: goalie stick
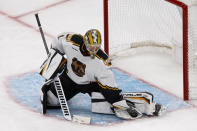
point(57, 83)
point(41, 32)
point(62, 98)
point(64, 105)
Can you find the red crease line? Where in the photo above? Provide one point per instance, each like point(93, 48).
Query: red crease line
point(43, 8)
point(24, 24)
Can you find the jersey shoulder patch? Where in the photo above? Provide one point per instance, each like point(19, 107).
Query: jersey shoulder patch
point(75, 39)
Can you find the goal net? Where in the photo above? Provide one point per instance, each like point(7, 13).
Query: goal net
point(168, 26)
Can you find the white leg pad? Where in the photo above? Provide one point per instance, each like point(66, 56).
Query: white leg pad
point(142, 101)
point(99, 104)
point(52, 99)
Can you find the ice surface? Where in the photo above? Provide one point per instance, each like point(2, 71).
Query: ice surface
point(22, 51)
point(25, 89)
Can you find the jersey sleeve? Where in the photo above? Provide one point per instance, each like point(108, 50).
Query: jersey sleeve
point(107, 85)
point(105, 78)
point(104, 57)
point(57, 43)
point(66, 39)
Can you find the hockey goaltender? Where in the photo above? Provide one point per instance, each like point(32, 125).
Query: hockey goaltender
point(77, 64)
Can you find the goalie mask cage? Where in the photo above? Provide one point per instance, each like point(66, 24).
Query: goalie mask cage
point(172, 24)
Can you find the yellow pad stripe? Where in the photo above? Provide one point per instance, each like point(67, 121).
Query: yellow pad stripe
point(43, 69)
point(140, 98)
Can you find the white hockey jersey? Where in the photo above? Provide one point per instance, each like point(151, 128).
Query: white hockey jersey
point(81, 68)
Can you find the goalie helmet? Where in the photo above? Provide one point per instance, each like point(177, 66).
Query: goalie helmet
point(93, 41)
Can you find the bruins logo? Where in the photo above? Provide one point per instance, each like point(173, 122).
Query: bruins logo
point(78, 67)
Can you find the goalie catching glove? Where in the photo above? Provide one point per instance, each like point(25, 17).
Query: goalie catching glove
point(124, 111)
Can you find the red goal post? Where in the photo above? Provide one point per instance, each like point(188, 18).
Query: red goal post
point(184, 6)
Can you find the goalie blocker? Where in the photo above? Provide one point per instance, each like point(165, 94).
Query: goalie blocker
point(52, 65)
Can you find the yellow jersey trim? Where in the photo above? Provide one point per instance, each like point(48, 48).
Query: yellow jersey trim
point(106, 87)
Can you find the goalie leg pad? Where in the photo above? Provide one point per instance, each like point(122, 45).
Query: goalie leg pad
point(52, 100)
point(48, 97)
point(99, 104)
point(43, 98)
point(143, 101)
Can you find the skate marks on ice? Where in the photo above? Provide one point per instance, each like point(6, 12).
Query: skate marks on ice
point(25, 89)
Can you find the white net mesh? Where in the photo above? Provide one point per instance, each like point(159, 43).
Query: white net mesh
point(137, 21)
point(153, 23)
point(192, 41)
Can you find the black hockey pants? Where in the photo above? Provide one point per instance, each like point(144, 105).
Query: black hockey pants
point(71, 89)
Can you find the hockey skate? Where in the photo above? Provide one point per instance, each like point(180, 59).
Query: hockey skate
point(159, 110)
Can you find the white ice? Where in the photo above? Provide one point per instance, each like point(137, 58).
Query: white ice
point(22, 51)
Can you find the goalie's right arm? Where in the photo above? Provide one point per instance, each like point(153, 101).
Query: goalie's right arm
point(57, 43)
point(55, 60)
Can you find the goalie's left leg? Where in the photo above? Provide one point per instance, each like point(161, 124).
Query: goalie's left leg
point(134, 105)
point(143, 101)
point(48, 97)
point(43, 98)
point(131, 106)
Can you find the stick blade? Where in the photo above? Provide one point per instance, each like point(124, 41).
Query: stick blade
point(81, 119)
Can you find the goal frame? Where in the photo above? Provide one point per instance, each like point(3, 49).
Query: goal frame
point(184, 36)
